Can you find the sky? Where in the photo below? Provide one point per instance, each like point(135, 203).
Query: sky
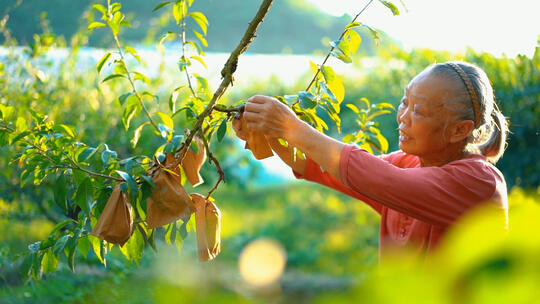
point(494, 26)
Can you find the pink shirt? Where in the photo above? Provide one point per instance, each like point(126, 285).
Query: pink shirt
point(417, 205)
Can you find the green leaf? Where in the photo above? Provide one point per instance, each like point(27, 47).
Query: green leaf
point(19, 137)
point(107, 155)
point(354, 40)
point(176, 142)
point(60, 244)
point(97, 247)
point(49, 262)
point(83, 196)
point(60, 193)
point(86, 154)
point(69, 130)
point(100, 8)
point(162, 4)
point(196, 47)
point(84, 246)
point(201, 20)
point(164, 130)
point(34, 247)
point(222, 130)
point(174, 97)
point(113, 76)
point(201, 38)
point(123, 97)
point(349, 138)
point(353, 108)
point(149, 180)
point(383, 105)
point(353, 25)
point(137, 134)
point(178, 11)
point(102, 61)
point(61, 225)
point(115, 7)
point(115, 22)
point(71, 247)
point(199, 59)
point(365, 101)
point(194, 147)
point(141, 77)
point(326, 90)
point(391, 6)
point(203, 83)
point(341, 50)
point(132, 184)
point(306, 100)
point(183, 63)
point(134, 247)
point(133, 52)
point(96, 24)
point(132, 109)
point(167, 120)
point(373, 33)
point(7, 112)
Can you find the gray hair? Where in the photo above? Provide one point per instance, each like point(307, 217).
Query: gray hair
point(474, 100)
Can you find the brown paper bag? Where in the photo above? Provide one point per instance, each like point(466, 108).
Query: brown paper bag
point(169, 202)
point(256, 141)
point(208, 225)
point(115, 223)
point(193, 162)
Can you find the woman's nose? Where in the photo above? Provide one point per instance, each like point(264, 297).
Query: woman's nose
point(402, 114)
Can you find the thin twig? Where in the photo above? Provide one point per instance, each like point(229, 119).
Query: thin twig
point(184, 52)
point(133, 84)
point(216, 163)
point(227, 72)
point(74, 165)
point(238, 109)
point(331, 49)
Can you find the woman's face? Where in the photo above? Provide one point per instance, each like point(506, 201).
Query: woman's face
point(422, 118)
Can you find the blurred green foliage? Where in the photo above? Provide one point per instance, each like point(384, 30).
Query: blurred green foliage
point(331, 244)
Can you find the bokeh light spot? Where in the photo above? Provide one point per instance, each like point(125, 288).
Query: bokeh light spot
point(262, 262)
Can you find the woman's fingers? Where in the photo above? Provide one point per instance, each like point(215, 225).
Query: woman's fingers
point(269, 116)
point(254, 107)
point(237, 127)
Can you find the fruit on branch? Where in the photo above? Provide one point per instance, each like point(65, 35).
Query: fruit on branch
point(208, 224)
point(169, 201)
point(115, 223)
point(255, 141)
point(193, 162)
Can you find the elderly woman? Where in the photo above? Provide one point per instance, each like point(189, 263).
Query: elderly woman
point(450, 134)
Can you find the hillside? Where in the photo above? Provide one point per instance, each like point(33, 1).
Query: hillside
point(293, 26)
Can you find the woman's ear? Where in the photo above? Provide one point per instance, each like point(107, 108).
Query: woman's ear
point(461, 130)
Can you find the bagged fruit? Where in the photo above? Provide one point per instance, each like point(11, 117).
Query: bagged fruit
point(115, 223)
point(208, 225)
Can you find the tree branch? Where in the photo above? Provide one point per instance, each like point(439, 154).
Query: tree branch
point(227, 72)
point(238, 109)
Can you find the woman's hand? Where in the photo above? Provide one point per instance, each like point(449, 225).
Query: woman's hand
point(271, 117)
point(237, 127)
